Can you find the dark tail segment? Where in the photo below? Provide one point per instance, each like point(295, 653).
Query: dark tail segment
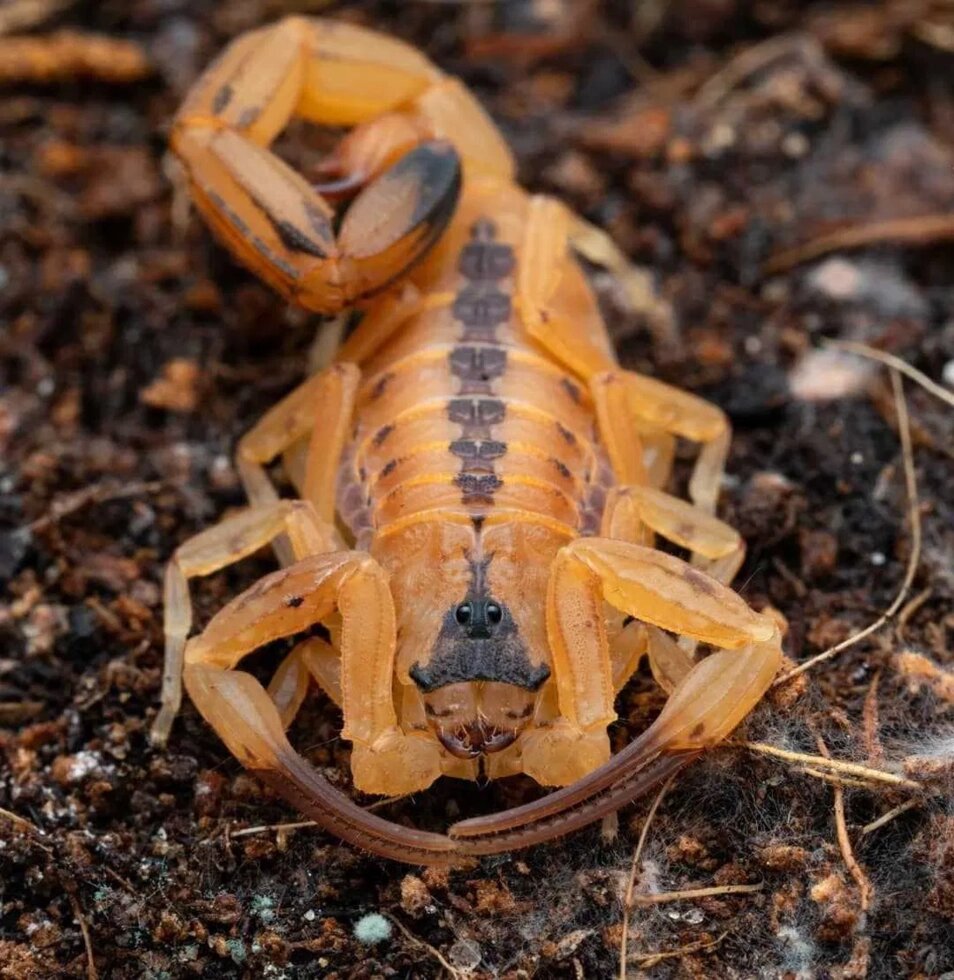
point(298, 783)
point(604, 791)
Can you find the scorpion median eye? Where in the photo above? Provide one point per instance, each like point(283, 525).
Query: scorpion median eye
point(463, 613)
point(494, 613)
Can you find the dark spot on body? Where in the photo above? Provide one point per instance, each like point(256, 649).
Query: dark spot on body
point(571, 389)
point(697, 730)
point(222, 98)
point(478, 487)
point(568, 436)
point(382, 434)
point(486, 260)
point(482, 449)
point(478, 364)
point(247, 117)
point(476, 411)
point(483, 229)
point(699, 581)
point(294, 238)
point(479, 306)
point(380, 386)
point(561, 468)
point(293, 602)
point(478, 521)
point(388, 468)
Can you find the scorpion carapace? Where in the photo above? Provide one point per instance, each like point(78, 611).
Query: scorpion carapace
point(481, 486)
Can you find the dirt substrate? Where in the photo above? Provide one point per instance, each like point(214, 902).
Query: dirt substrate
point(712, 138)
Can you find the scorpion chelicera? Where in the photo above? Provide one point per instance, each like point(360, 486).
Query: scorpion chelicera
point(480, 485)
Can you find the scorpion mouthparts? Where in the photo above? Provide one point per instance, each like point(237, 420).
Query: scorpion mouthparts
point(469, 741)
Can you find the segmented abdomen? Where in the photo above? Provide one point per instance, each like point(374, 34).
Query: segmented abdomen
point(462, 414)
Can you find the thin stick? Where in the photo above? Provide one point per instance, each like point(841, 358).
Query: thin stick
point(835, 765)
point(835, 779)
point(20, 822)
point(22, 15)
point(637, 854)
point(91, 972)
point(302, 824)
point(873, 747)
point(436, 953)
point(749, 61)
point(914, 515)
point(99, 494)
point(844, 842)
point(910, 608)
point(279, 827)
point(651, 959)
point(923, 230)
point(889, 816)
point(663, 897)
point(872, 353)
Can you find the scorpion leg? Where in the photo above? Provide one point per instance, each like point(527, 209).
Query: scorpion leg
point(328, 396)
point(708, 701)
point(312, 659)
point(269, 216)
point(384, 759)
point(251, 721)
point(559, 311)
point(637, 513)
point(210, 551)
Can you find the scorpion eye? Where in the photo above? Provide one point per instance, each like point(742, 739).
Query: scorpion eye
point(463, 613)
point(494, 613)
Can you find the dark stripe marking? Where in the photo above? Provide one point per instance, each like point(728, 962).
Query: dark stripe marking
point(486, 260)
point(572, 390)
point(382, 434)
point(381, 385)
point(294, 238)
point(480, 307)
point(478, 449)
point(478, 488)
point(222, 98)
point(567, 435)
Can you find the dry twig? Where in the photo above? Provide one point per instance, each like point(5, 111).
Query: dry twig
point(436, 953)
point(844, 842)
point(65, 55)
point(91, 971)
point(889, 816)
point(651, 959)
point(663, 897)
point(873, 354)
point(835, 765)
point(914, 558)
point(19, 821)
point(100, 493)
point(22, 15)
point(924, 230)
point(637, 854)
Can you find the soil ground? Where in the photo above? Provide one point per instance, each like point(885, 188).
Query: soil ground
point(711, 137)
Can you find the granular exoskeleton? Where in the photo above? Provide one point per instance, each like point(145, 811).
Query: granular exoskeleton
point(481, 488)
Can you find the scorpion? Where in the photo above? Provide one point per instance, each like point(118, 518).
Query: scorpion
point(481, 486)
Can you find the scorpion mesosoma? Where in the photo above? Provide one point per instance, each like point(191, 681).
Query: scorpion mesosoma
point(480, 483)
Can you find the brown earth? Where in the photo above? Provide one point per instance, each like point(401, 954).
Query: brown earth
point(711, 137)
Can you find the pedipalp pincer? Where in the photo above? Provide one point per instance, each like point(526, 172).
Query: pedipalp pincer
point(481, 487)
